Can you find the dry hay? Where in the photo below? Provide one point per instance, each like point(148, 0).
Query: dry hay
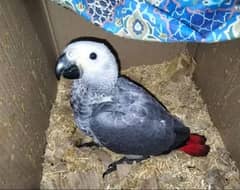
point(69, 167)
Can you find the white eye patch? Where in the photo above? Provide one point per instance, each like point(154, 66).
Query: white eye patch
point(71, 54)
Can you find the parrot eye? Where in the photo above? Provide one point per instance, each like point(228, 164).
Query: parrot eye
point(93, 56)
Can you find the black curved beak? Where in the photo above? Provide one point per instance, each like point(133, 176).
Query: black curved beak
point(67, 69)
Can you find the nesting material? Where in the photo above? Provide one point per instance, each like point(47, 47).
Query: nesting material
point(66, 166)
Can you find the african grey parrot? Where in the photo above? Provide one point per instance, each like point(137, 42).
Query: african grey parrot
point(116, 112)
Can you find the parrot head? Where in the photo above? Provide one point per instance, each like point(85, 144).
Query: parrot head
point(89, 59)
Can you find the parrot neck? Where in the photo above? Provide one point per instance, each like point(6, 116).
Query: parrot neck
point(102, 81)
point(104, 86)
point(101, 84)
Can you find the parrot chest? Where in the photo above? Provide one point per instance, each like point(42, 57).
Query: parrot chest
point(83, 103)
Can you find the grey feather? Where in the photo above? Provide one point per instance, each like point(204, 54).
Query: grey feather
point(127, 119)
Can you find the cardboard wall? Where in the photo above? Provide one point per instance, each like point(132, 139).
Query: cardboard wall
point(218, 77)
point(27, 89)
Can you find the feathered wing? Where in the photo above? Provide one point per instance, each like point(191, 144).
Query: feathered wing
point(136, 123)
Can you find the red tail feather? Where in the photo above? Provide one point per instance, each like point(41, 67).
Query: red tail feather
point(196, 139)
point(195, 149)
point(196, 146)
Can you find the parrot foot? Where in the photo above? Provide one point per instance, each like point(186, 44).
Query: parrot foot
point(88, 144)
point(113, 166)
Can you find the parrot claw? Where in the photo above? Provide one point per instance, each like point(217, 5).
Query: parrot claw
point(113, 166)
point(88, 144)
point(109, 170)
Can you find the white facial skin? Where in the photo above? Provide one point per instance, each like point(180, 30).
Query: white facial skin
point(100, 68)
